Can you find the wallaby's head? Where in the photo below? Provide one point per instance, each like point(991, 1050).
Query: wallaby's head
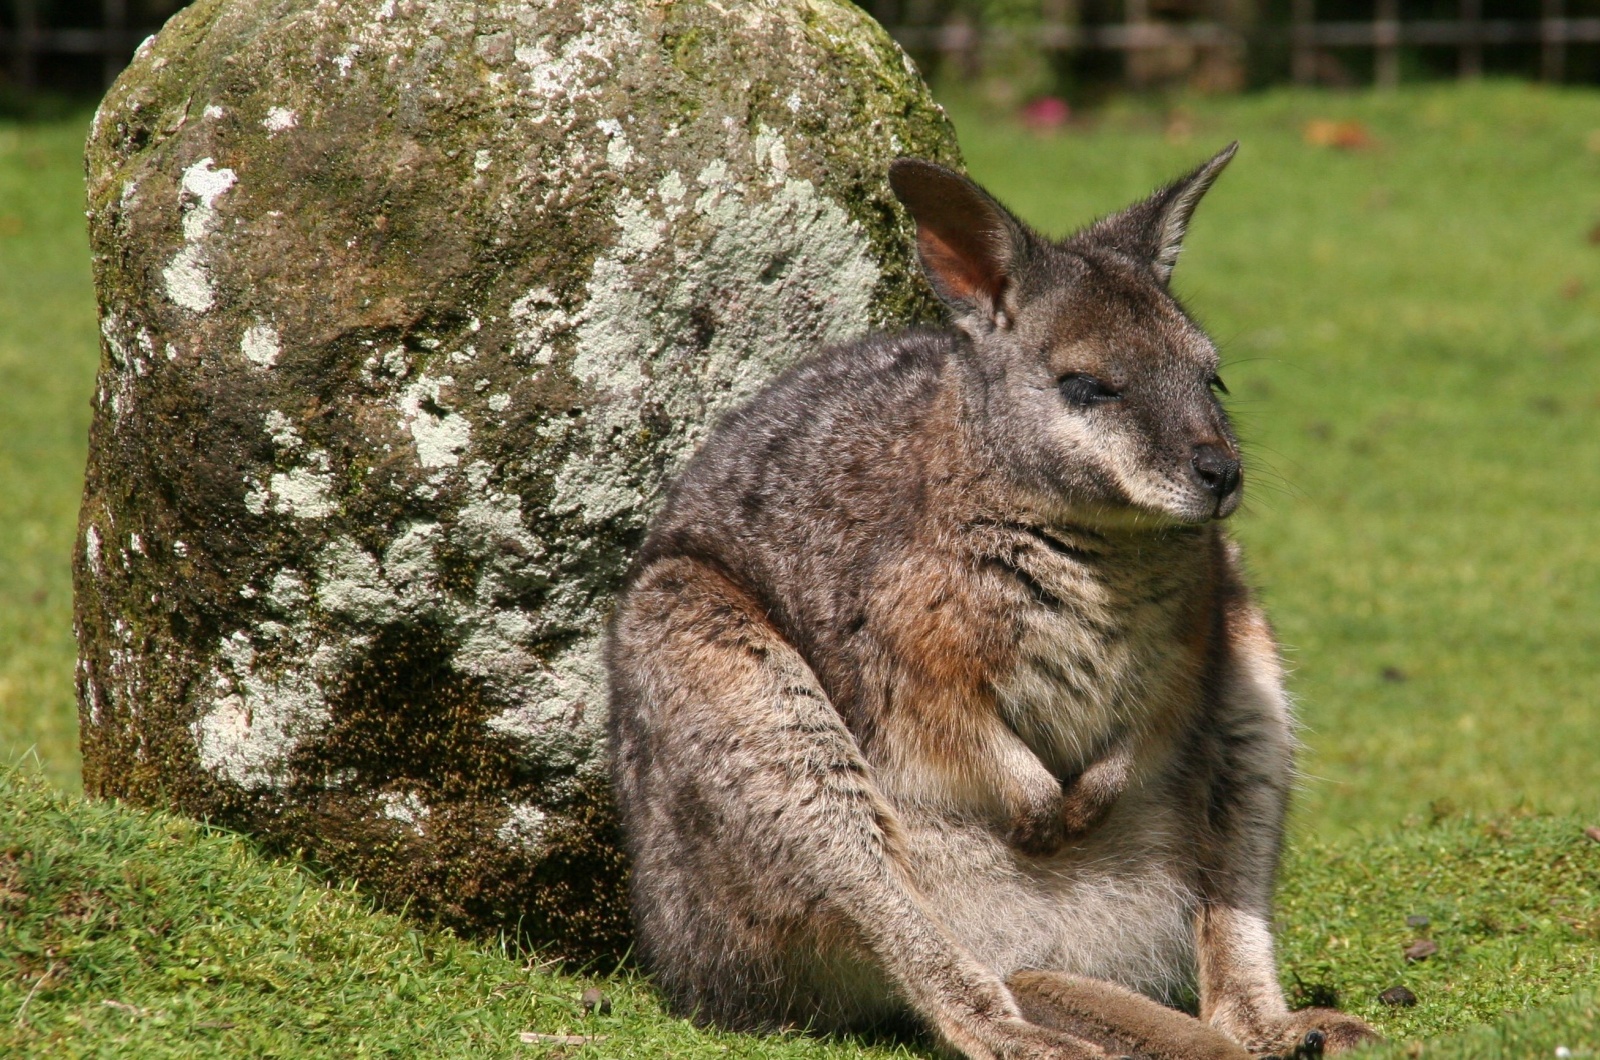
point(1088, 384)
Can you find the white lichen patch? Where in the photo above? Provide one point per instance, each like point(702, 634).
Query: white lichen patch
point(259, 344)
point(562, 719)
point(287, 594)
point(407, 808)
point(303, 492)
point(201, 187)
point(618, 152)
point(257, 720)
point(439, 434)
point(187, 278)
point(525, 826)
point(129, 348)
point(346, 59)
point(351, 585)
point(279, 119)
point(566, 69)
point(540, 321)
point(91, 549)
point(188, 282)
point(282, 430)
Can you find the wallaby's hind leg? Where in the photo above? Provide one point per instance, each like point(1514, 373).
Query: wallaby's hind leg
point(759, 841)
point(1117, 1019)
point(1246, 748)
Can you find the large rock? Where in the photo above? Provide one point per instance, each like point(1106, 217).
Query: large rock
point(409, 312)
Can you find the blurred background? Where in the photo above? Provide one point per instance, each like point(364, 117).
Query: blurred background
point(1023, 48)
point(1402, 269)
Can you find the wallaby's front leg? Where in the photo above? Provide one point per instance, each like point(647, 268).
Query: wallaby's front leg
point(1246, 750)
point(763, 852)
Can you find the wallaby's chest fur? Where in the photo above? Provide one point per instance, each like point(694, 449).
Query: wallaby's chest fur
point(885, 544)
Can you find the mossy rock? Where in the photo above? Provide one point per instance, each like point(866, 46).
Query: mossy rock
point(409, 311)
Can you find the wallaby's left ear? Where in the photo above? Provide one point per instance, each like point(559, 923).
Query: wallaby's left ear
point(1153, 230)
point(969, 244)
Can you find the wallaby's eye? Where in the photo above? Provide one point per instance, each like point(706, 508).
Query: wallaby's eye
point(1081, 391)
point(1216, 383)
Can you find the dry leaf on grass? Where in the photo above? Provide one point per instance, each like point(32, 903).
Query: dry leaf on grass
point(1344, 135)
point(595, 1001)
point(1421, 950)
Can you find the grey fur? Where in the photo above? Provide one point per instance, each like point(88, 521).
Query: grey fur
point(936, 673)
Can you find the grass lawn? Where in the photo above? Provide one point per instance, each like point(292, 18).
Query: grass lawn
point(48, 353)
point(1410, 331)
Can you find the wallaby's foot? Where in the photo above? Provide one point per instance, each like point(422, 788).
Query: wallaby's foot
point(1313, 1032)
point(1117, 1019)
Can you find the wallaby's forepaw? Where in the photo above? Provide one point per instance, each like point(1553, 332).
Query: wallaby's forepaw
point(1313, 1032)
point(1083, 803)
point(1082, 809)
point(1043, 833)
point(1038, 834)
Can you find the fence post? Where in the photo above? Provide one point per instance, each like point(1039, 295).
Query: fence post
point(1302, 56)
point(1469, 61)
point(114, 18)
point(24, 43)
point(1135, 13)
point(1386, 38)
point(1553, 36)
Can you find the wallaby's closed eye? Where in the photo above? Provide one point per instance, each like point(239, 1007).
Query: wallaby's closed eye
point(936, 689)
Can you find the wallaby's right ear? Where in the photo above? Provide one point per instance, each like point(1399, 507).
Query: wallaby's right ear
point(969, 244)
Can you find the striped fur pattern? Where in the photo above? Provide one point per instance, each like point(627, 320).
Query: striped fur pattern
point(936, 690)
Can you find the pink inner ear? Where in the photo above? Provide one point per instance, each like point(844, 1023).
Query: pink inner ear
point(955, 272)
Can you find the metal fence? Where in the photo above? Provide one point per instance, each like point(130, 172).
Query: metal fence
point(73, 45)
point(82, 44)
point(1320, 42)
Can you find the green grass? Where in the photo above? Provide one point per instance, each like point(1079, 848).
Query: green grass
point(1410, 333)
point(134, 934)
point(48, 353)
point(1512, 903)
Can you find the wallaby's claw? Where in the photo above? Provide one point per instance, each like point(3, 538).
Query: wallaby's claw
point(1318, 1032)
point(1311, 1045)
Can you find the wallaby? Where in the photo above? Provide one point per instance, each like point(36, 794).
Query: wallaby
point(936, 690)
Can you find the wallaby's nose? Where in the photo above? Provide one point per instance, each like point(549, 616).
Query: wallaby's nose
point(1216, 471)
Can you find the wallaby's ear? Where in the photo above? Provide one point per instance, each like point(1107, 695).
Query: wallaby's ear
point(1153, 230)
point(969, 244)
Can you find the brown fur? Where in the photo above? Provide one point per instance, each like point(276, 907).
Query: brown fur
point(936, 689)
